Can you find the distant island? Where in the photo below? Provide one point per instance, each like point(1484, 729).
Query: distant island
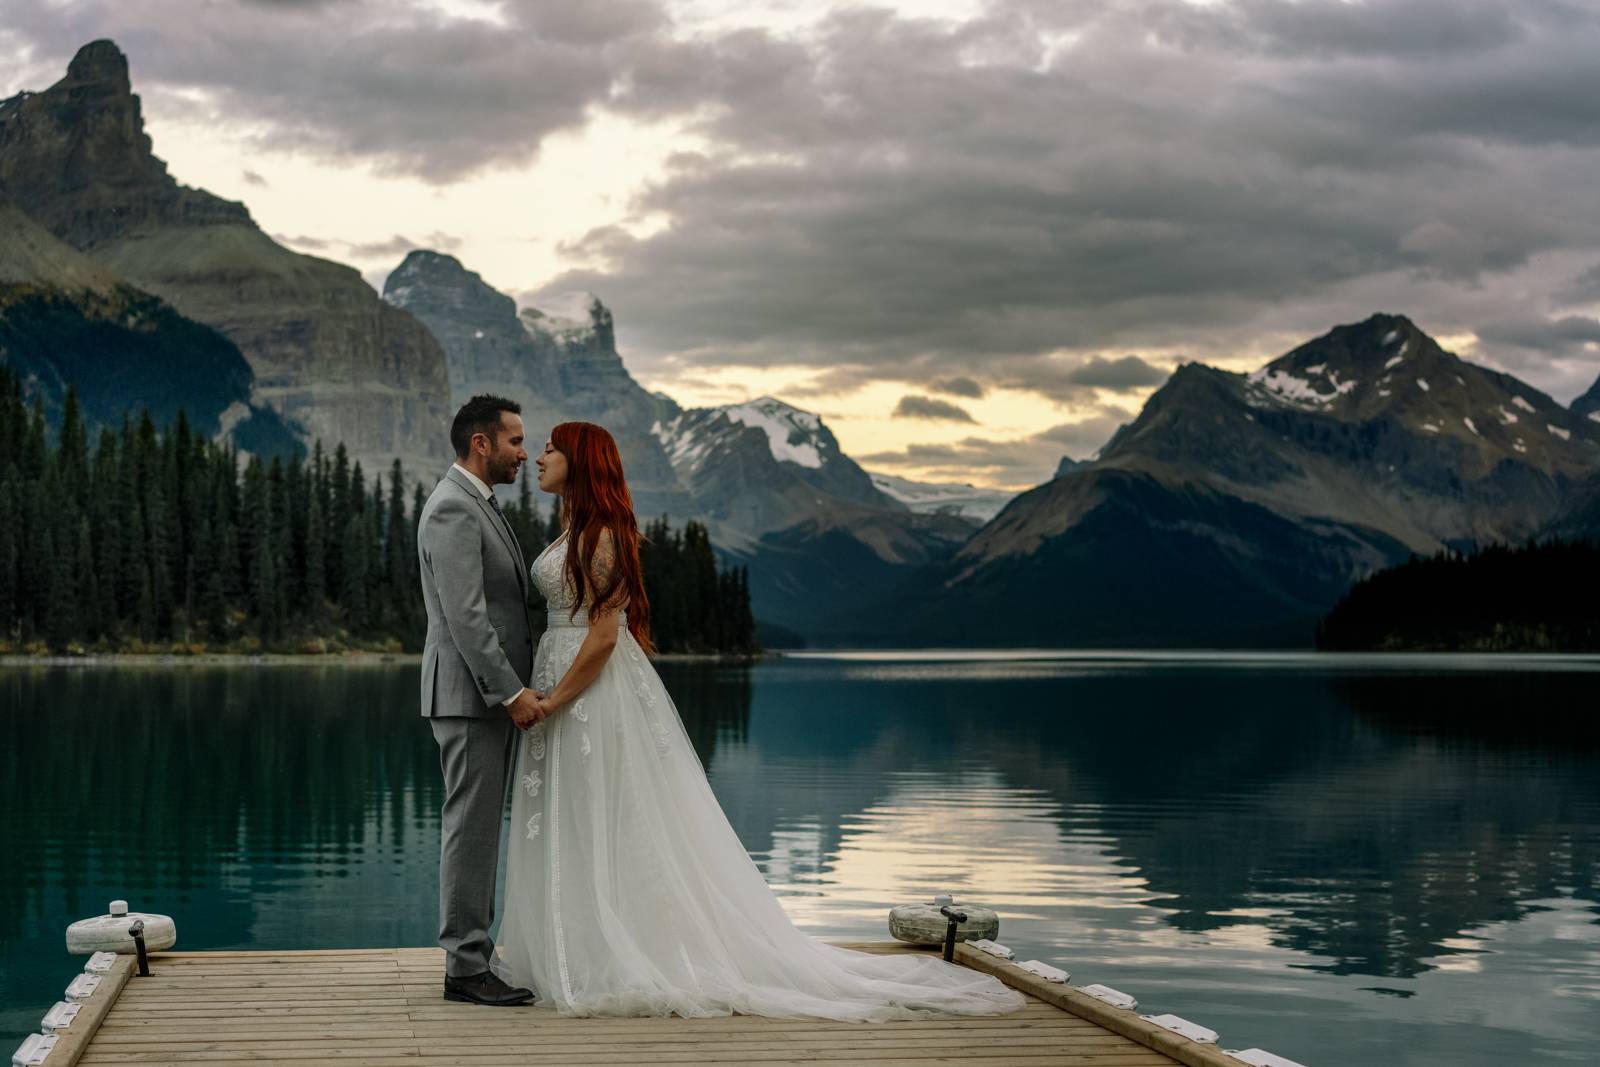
point(163, 542)
point(1540, 597)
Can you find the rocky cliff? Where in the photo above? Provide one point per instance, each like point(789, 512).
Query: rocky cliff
point(769, 480)
point(325, 351)
point(560, 363)
point(67, 321)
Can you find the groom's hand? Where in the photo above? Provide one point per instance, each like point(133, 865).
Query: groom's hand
point(525, 711)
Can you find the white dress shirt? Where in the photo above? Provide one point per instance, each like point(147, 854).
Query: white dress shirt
point(486, 493)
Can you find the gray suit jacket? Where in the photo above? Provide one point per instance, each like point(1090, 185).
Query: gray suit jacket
point(479, 650)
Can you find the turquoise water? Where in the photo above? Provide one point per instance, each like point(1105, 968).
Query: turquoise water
point(1356, 860)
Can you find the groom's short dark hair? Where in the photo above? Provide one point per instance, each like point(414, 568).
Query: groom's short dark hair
point(481, 414)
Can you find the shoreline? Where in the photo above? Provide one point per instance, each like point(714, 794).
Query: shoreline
point(300, 659)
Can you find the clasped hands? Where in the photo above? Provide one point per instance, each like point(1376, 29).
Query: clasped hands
point(530, 708)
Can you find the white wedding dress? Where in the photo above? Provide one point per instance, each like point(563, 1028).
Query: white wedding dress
point(627, 891)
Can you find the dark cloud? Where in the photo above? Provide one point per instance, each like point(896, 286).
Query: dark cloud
point(1118, 375)
point(1418, 28)
point(959, 198)
point(927, 407)
point(995, 201)
point(399, 245)
point(1561, 335)
point(252, 178)
point(1079, 439)
point(1070, 377)
point(1583, 289)
point(958, 386)
point(407, 88)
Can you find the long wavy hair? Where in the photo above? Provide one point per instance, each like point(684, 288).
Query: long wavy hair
point(595, 498)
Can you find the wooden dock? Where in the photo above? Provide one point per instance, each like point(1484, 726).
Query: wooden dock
point(381, 1007)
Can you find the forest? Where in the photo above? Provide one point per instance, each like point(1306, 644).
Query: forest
point(164, 541)
point(1535, 597)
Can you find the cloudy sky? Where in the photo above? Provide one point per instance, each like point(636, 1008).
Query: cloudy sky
point(974, 235)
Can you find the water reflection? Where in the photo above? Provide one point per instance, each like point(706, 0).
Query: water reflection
point(1312, 855)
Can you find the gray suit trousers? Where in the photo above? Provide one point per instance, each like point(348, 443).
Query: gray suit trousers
point(475, 756)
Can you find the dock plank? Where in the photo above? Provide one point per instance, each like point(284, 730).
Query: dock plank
point(383, 1008)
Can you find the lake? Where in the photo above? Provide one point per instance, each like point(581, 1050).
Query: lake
point(1343, 859)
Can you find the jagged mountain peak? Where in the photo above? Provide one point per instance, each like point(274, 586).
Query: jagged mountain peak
point(77, 159)
point(1386, 368)
point(327, 354)
point(99, 63)
point(770, 442)
point(796, 436)
point(426, 276)
point(427, 263)
point(793, 435)
point(1353, 366)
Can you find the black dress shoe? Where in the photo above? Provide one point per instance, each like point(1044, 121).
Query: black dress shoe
point(485, 988)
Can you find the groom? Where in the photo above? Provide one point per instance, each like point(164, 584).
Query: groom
point(475, 667)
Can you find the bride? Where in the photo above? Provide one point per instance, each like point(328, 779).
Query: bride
point(627, 891)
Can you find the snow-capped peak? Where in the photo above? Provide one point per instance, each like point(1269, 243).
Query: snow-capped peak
point(792, 434)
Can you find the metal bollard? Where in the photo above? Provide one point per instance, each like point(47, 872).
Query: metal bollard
point(956, 919)
point(136, 931)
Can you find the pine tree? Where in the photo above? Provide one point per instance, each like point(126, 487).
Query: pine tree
point(316, 592)
point(90, 623)
point(399, 556)
point(58, 606)
point(10, 551)
point(152, 528)
point(73, 453)
point(353, 593)
point(338, 513)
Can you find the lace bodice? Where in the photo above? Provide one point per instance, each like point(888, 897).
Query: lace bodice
point(549, 574)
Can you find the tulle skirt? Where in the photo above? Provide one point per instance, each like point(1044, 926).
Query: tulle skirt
point(628, 892)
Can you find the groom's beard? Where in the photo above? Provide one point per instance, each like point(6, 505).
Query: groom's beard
point(503, 472)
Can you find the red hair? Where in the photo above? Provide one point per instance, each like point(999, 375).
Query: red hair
point(595, 499)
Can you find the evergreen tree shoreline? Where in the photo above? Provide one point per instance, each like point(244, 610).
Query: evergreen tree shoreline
point(1539, 597)
point(161, 542)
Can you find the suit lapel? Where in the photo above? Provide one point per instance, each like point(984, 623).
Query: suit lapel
point(500, 527)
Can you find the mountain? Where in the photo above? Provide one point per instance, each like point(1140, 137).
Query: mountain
point(1236, 508)
point(66, 320)
point(559, 362)
point(784, 499)
point(764, 465)
point(944, 498)
point(1588, 405)
point(769, 480)
point(325, 351)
